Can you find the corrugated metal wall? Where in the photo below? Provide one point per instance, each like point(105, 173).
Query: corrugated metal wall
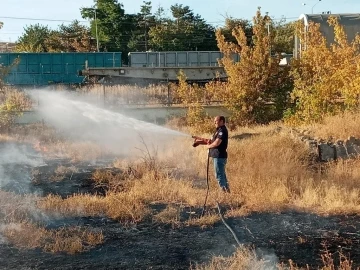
point(49, 68)
point(177, 59)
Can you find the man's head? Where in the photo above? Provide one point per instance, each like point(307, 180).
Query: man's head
point(219, 121)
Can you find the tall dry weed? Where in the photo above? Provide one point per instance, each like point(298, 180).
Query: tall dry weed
point(246, 258)
point(120, 95)
point(69, 240)
point(242, 259)
point(340, 126)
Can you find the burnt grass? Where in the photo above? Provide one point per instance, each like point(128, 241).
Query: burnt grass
point(301, 237)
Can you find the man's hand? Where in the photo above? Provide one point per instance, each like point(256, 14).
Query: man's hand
point(200, 141)
point(214, 144)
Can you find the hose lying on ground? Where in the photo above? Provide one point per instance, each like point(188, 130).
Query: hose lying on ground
point(207, 183)
point(227, 225)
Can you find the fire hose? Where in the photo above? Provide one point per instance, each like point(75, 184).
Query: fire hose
point(202, 141)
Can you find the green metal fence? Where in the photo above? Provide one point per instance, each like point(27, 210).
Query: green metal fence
point(51, 68)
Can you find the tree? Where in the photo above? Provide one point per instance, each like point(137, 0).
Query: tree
point(145, 18)
point(12, 103)
point(257, 79)
point(71, 38)
point(284, 36)
point(186, 31)
point(231, 24)
point(115, 27)
point(33, 40)
point(140, 36)
point(326, 78)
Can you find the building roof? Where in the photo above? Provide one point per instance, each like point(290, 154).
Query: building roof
point(350, 22)
point(7, 46)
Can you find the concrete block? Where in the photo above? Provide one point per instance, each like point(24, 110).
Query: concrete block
point(352, 149)
point(341, 150)
point(326, 152)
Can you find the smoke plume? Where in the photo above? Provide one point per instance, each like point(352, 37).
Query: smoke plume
point(82, 120)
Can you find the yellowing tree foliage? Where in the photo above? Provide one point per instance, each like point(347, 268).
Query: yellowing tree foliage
point(192, 96)
point(326, 77)
point(256, 80)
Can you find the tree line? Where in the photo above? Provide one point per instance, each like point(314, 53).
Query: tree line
point(112, 29)
point(324, 81)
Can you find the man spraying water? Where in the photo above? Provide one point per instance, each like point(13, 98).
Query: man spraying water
point(217, 151)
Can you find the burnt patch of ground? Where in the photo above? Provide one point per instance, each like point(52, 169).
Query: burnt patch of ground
point(60, 177)
point(64, 178)
point(301, 237)
point(154, 246)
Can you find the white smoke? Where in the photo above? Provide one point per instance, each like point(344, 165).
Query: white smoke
point(84, 121)
point(269, 259)
point(15, 164)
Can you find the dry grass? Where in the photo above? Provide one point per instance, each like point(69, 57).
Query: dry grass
point(340, 126)
point(170, 215)
point(61, 173)
point(208, 220)
point(245, 258)
point(268, 171)
point(17, 214)
point(17, 208)
point(117, 95)
point(108, 180)
point(242, 259)
point(69, 240)
point(75, 151)
point(118, 206)
point(52, 144)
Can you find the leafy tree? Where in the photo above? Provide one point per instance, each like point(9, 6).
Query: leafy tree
point(186, 31)
point(326, 78)
point(140, 36)
point(33, 40)
point(12, 103)
point(257, 79)
point(115, 27)
point(231, 24)
point(284, 36)
point(192, 96)
point(71, 38)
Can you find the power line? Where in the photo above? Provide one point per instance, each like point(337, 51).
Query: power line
point(37, 19)
point(82, 21)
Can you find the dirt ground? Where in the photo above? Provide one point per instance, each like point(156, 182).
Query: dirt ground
point(301, 237)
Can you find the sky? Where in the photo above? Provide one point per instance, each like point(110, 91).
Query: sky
point(17, 14)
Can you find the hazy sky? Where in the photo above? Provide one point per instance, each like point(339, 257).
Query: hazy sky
point(213, 11)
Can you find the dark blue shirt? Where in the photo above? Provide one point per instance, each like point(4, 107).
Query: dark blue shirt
point(220, 150)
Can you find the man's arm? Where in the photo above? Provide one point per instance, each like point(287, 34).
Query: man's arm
point(214, 144)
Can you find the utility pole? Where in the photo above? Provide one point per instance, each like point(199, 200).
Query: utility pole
point(96, 30)
point(312, 8)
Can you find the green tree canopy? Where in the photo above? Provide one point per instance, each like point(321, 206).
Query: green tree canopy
point(184, 31)
point(71, 38)
point(284, 34)
point(114, 26)
point(33, 39)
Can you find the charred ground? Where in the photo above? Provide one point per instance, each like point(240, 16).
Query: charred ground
point(278, 237)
